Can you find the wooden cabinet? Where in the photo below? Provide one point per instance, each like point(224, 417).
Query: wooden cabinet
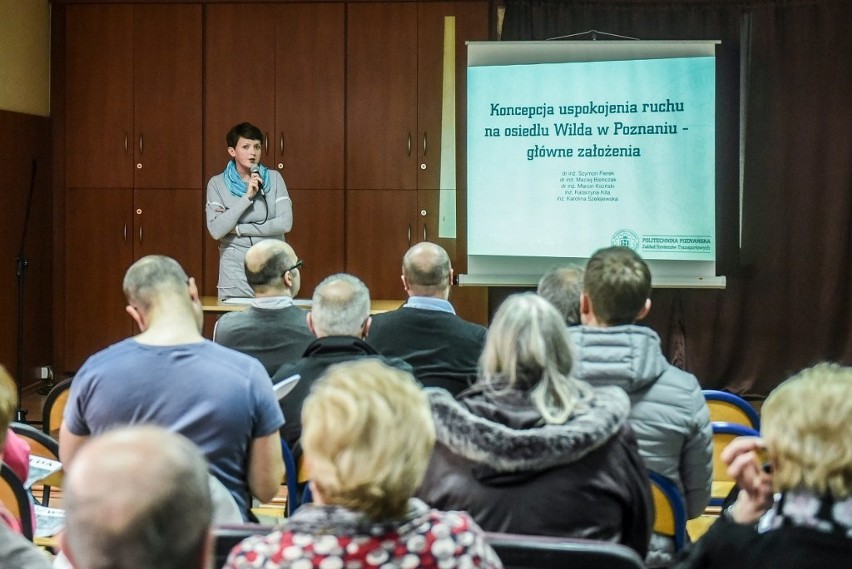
point(281, 67)
point(132, 158)
point(133, 96)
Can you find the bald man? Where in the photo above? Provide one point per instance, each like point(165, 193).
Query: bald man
point(442, 348)
point(273, 329)
point(138, 497)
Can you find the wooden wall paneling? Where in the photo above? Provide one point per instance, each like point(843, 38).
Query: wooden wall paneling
point(169, 222)
point(167, 95)
point(380, 227)
point(99, 248)
point(317, 235)
point(381, 96)
point(309, 85)
point(99, 83)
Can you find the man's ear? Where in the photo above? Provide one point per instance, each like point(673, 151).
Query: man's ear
point(404, 283)
point(365, 329)
point(193, 290)
point(310, 318)
point(643, 312)
point(451, 276)
point(137, 317)
point(62, 540)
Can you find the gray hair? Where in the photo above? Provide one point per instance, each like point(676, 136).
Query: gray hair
point(150, 277)
point(527, 348)
point(562, 286)
point(135, 498)
point(340, 306)
point(426, 266)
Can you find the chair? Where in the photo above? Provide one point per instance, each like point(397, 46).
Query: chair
point(14, 497)
point(669, 509)
point(225, 537)
point(540, 552)
point(723, 434)
point(44, 446)
point(54, 407)
point(729, 408)
point(291, 477)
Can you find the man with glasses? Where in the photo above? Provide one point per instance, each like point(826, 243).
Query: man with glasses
point(273, 329)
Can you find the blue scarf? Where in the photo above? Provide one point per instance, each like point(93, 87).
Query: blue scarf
point(235, 183)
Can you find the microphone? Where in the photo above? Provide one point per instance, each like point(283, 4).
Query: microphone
point(255, 169)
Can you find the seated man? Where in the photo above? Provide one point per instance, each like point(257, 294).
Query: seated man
point(340, 319)
point(668, 412)
point(136, 498)
point(169, 375)
point(442, 348)
point(272, 329)
point(562, 287)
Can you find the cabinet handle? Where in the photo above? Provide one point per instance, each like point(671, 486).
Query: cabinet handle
point(125, 142)
point(424, 233)
point(141, 145)
point(409, 143)
point(266, 143)
point(125, 233)
point(424, 144)
point(140, 233)
point(281, 145)
point(409, 235)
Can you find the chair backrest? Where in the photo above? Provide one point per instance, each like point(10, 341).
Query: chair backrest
point(14, 497)
point(729, 408)
point(291, 477)
point(669, 509)
point(225, 537)
point(45, 446)
point(723, 434)
point(538, 552)
point(54, 407)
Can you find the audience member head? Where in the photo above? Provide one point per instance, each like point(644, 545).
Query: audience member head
point(340, 307)
point(426, 271)
point(136, 498)
point(527, 349)
point(154, 280)
point(806, 424)
point(367, 434)
point(8, 403)
point(562, 287)
point(242, 130)
point(616, 288)
point(270, 269)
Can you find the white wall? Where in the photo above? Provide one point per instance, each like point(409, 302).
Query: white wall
point(25, 56)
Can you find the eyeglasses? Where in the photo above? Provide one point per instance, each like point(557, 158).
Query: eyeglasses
point(298, 264)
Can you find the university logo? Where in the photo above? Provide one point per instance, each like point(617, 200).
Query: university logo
point(625, 238)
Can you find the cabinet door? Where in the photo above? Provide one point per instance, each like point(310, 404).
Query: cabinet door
point(167, 95)
point(99, 230)
point(443, 29)
point(169, 222)
point(239, 77)
point(317, 235)
point(380, 227)
point(428, 219)
point(99, 96)
point(308, 143)
point(381, 96)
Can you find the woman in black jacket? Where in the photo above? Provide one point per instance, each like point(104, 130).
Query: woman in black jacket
point(528, 449)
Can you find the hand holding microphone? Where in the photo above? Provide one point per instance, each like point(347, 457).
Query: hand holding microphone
point(255, 175)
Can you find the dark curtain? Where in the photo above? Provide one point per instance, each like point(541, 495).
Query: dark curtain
point(787, 304)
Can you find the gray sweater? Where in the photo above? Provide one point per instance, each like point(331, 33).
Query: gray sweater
point(668, 413)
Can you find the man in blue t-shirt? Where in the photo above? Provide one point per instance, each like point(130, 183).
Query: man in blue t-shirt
point(169, 375)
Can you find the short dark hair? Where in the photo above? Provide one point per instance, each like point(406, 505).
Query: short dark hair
point(245, 130)
point(618, 283)
point(270, 271)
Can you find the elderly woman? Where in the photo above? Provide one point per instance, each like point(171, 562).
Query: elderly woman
point(367, 435)
point(528, 449)
point(802, 507)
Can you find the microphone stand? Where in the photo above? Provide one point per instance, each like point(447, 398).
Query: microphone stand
point(21, 269)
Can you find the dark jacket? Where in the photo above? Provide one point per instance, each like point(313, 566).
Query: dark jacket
point(495, 459)
point(442, 348)
point(319, 355)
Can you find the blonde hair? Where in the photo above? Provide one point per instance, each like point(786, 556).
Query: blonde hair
point(8, 403)
point(367, 433)
point(527, 348)
point(807, 426)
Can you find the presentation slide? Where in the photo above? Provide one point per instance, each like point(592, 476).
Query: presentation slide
point(566, 157)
